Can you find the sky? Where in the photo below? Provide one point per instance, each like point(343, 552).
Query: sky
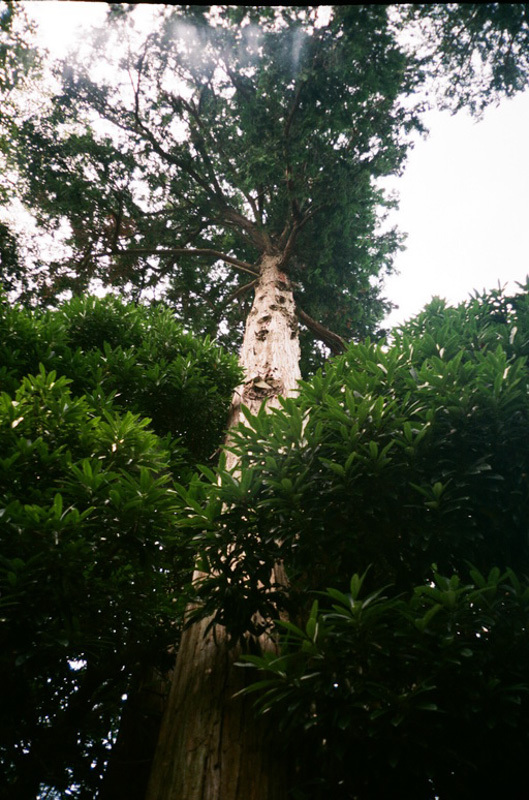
point(464, 194)
point(464, 202)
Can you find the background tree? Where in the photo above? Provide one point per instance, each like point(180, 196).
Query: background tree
point(20, 68)
point(482, 48)
point(19, 61)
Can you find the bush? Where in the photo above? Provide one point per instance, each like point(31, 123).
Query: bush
point(406, 463)
point(93, 568)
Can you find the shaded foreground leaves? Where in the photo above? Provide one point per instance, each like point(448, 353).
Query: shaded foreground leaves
point(92, 566)
point(405, 464)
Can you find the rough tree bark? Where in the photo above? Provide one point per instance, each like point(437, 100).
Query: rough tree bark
point(128, 770)
point(210, 745)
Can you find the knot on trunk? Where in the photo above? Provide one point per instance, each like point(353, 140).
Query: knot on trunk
point(261, 388)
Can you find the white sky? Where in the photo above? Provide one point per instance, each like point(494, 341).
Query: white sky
point(464, 202)
point(464, 196)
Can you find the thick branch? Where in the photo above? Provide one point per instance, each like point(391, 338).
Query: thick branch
point(258, 237)
point(289, 246)
point(253, 205)
point(199, 133)
point(285, 233)
point(238, 292)
point(331, 339)
point(289, 234)
point(198, 140)
point(243, 266)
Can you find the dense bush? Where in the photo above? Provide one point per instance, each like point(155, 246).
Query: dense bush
point(92, 567)
point(128, 357)
point(406, 463)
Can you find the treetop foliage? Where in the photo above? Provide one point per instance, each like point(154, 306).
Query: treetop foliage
point(234, 132)
point(175, 158)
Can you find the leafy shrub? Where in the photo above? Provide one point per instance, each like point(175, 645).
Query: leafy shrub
point(407, 463)
point(93, 572)
point(88, 538)
point(128, 358)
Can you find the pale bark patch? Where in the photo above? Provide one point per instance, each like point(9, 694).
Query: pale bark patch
point(270, 352)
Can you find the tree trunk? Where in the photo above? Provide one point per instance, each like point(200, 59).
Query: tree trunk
point(270, 350)
point(210, 746)
point(127, 774)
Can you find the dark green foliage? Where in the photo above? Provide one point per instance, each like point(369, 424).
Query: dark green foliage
point(399, 457)
point(11, 267)
point(86, 526)
point(423, 695)
point(92, 565)
point(131, 357)
point(152, 367)
point(479, 50)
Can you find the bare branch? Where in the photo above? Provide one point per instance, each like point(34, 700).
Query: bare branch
point(238, 292)
point(331, 339)
point(257, 236)
point(243, 266)
point(170, 157)
point(200, 133)
point(199, 142)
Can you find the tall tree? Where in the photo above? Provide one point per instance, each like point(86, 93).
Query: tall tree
point(252, 138)
point(241, 133)
point(299, 209)
point(316, 131)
